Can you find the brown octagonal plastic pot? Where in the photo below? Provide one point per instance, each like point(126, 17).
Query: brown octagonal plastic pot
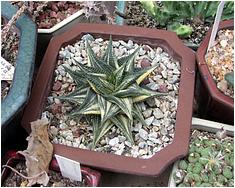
point(112, 162)
point(218, 106)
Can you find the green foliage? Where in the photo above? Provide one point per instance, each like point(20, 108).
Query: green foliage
point(210, 162)
point(108, 91)
point(178, 12)
point(180, 29)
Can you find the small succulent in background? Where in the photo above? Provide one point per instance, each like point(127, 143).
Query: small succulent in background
point(97, 8)
point(108, 92)
point(229, 77)
point(211, 165)
point(175, 14)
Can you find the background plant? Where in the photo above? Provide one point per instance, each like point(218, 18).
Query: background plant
point(175, 14)
point(210, 162)
point(108, 92)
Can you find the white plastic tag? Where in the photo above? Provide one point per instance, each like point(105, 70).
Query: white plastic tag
point(216, 24)
point(69, 168)
point(7, 70)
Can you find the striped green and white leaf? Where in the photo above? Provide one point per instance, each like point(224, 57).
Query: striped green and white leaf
point(99, 130)
point(125, 125)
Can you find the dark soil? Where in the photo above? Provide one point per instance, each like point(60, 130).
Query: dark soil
point(9, 51)
point(137, 16)
point(56, 179)
point(51, 12)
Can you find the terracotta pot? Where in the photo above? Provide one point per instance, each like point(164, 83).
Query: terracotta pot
point(202, 125)
point(92, 177)
point(218, 106)
point(168, 41)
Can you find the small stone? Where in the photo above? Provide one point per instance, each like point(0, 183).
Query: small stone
point(163, 88)
point(159, 50)
point(158, 113)
point(142, 51)
point(63, 126)
point(164, 74)
point(153, 135)
point(222, 85)
point(116, 44)
point(151, 54)
point(163, 130)
point(57, 86)
point(147, 113)
point(145, 63)
point(72, 123)
point(223, 43)
point(142, 145)
point(121, 138)
point(142, 152)
point(88, 37)
point(78, 59)
point(57, 101)
point(149, 120)
point(127, 143)
point(151, 102)
point(113, 141)
point(56, 108)
point(155, 140)
point(53, 130)
point(143, 134)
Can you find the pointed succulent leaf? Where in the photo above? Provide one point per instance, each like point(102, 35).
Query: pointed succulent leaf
point(135, 77)
point(124, 124)
point(107, 109)
point(92, 71)
point(125, 104)
point(145, 97)
point(99, 85)
point(89, 105)
point(76, 96)
point(119, 75)
point(78, 76)
point(145, 72)
point(94, 61)
point(109, 56)
point(129, 61)
point(138, 114)
point(135, 91)
point(99, 130)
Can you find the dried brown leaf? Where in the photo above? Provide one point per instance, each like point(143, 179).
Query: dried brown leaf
point(39, 153)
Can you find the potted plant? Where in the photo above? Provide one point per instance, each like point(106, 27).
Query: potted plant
point(18, 93)
point(188, 19)
point(90, 177)
point(216, 92)
point(170, 55)
point(210, 161)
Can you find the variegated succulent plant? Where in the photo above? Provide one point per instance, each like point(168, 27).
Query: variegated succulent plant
point(108, 92)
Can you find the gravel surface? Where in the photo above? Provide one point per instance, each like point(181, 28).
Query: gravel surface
point(137, 16)
point(51, 12)
point(9, 51)
point(159, 113)
point(56, 179)
point(220, 59)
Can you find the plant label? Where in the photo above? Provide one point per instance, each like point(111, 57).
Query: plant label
point(7, 70)
point(69, 168)
point(216, 24)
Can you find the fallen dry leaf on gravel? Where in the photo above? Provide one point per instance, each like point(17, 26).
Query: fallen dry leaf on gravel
point(39, 153)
